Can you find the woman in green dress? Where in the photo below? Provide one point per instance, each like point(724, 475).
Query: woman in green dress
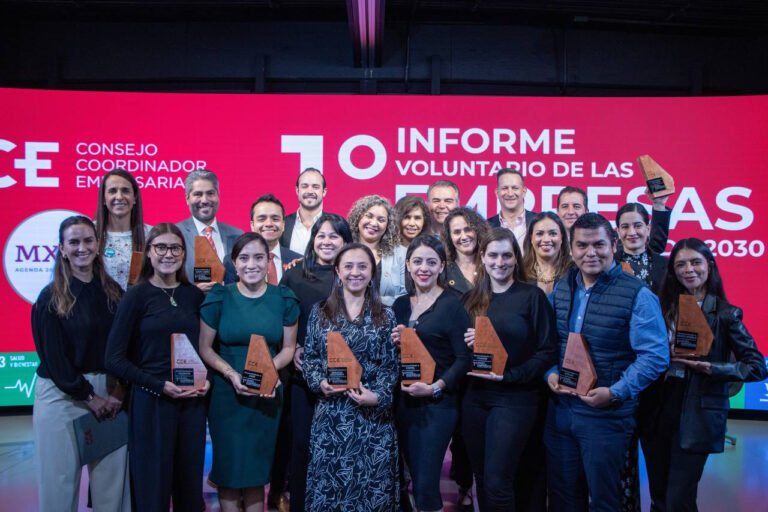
point(243, 425)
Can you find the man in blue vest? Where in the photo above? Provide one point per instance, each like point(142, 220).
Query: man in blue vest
point(619, 317)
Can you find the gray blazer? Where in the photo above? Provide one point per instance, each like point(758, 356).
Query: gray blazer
point(228, 235)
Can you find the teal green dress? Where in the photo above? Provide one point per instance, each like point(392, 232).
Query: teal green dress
point(244, 429)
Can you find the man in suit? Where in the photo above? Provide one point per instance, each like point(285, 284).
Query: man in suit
point(268, 219)
point(510, 190)
point(310, 190)
point(202, 190)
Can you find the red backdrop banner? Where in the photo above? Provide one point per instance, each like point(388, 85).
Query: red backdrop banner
point(55, 146)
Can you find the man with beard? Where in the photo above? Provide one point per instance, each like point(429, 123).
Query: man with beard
point(442, 197)
point(310, 190)
point(202, 190)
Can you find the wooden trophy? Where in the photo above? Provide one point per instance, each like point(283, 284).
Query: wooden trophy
point(344, 372)
point(693, 336)
point(627, 268)
point(488, 353)
point(659, 182)
point(416, 364)
point(137, 260)
point(187, 369)
point(259, 374)
point(577, 373)
point(207, 268)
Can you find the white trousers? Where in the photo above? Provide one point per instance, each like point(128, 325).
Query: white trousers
point(57, 464)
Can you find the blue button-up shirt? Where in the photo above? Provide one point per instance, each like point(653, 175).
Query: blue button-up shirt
point(647, 337)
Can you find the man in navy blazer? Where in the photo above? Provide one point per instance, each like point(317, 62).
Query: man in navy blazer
point(510, 190)
point(202, 190)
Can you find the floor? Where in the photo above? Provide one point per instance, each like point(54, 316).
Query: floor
point(734, 481)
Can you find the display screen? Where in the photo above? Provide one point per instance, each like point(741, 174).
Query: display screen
point(55, 146)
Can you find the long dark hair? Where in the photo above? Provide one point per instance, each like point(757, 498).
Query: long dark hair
point(164, 228)
point(672, 288)
point(563, 261)
point(434, 244)
point(137, 217)
point(334, 305)
point(339, 225)
point(479, 297)
point(62, 299)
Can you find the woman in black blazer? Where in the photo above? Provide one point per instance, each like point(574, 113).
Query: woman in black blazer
point(686, 410)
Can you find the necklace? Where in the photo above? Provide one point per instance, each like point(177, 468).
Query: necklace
point(544, 278)
point(170, 297)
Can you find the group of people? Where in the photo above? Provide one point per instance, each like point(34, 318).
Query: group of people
point(527, 442)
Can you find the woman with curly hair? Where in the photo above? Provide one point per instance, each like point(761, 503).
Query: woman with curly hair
point(412, 217)
point(463, 231)
point(373, 224)
point(547, 255)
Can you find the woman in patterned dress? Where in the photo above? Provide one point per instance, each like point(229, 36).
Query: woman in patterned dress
point(120, 223)
point(353, 444)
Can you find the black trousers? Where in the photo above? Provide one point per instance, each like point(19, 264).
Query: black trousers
point(280, 464)
point(673, 474)
point(302, 409)
point(500, 423)
point(461, 469)
point(166, 446)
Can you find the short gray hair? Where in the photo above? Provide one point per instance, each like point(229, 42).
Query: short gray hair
point(200, 174)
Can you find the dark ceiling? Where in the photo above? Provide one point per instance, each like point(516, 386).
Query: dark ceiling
point(626, 15)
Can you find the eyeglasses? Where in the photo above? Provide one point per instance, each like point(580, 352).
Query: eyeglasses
point(162, 249)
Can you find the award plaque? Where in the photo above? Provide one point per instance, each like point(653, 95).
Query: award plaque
point(259, 374)
point(187, 369)
point(577, 373)
point(137, 259)
point(488, 353)
point(416, 364)
point(659, 182)
point(627, 268)
point(207, 268)
point(344, 372)
point(693, 337)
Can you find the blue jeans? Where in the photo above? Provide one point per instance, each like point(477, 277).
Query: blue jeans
point(585, 454)
point(425, 427)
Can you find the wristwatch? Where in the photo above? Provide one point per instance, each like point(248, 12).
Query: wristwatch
point(614, 399)
point(437, 391)
point(89, 398)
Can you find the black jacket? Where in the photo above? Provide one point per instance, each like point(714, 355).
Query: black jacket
point(705, 401)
